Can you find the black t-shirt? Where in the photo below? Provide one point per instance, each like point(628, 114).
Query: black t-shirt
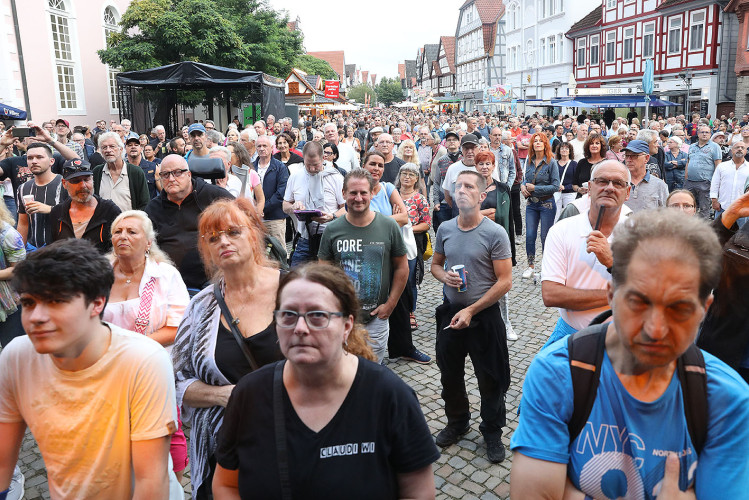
point(40, 225)
point(391, 170)
point(378, 431)
point(230, 359)
point(15, 167)
point(491, 197)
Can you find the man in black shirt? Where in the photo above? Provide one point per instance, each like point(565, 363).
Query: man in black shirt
point(36, 197)
point(385, 145)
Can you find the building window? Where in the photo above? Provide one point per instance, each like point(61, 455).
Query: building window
point(611, 4)
point(674, 35)
point(595, 43)
point(552, 50)
point(648, 40)
point(112, 89)
point(611, 47)
point(560, 47)
point(542, 52)
point(529, 53)
point(629, 44)
point(111, 21)
point(697, 31)
point(581, 52)
point(64, 64)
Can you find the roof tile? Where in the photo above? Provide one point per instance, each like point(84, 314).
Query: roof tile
point(335, 58)
point(594, 18)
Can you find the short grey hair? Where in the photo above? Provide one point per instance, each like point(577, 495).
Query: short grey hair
point(221, 149)
point(647, 135)
point(111, 135)
point(251, 134)
point(213, 135)
point(159, 127)
point(666, 224)
point(407, 167)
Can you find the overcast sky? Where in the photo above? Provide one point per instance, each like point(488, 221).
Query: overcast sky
point(375, 36)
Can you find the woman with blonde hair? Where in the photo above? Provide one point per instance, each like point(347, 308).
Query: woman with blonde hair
point(407, 152)
point(227, 330)
point(328, 392)
point(148, 295)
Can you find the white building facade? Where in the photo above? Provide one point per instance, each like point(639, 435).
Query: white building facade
point(50, 66)
point(539, 56)
point(479, 51)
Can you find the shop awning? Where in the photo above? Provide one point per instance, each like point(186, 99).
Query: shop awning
point(610, 101)
point(11, 113)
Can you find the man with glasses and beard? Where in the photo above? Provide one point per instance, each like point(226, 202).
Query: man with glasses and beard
point(175, 212)
point(84, 215)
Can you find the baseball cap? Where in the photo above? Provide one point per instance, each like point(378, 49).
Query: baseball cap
point(638, 146)
point(196, 127)
point(63, 121)
point(76, 168)
point(469, 139)
point(452, 134)
point(132, 139)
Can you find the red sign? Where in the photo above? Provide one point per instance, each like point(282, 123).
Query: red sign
point(331, 88)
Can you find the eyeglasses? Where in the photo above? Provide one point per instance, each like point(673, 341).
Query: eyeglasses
point(214, 237)
point(409, 174)
point(173, 173)
point(603, 182)
point(315, 320)
point(683, 206)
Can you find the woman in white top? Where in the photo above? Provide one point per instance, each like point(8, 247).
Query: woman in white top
point(148, 295)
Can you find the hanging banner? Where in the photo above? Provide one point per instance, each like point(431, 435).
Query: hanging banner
point(332, 89)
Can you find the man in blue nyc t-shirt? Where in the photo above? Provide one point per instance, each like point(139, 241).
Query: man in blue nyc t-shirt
point(665, 266)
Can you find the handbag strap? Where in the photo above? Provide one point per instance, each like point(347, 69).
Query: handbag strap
point(279, 424)
point(564, 172)
point(233, 326)
point(144, 309)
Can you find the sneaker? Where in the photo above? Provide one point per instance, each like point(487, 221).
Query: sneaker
point(511, 335)
point(495, 450)
point(418, 357)
point(16, 491)
point(450, 435)
point(528, 274)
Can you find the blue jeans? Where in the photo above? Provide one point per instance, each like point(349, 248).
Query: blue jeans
point(674, 179)
point(541, 211)
point(441, 215)
point(412, 279)
point(301, 253)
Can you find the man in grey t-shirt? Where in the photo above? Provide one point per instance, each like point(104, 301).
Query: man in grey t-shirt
point(469, 322)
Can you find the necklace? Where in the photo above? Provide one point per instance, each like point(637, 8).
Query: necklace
point(129, 278)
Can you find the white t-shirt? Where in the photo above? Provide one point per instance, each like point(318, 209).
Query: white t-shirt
point(234, 185)
point(85, 421)
point(297, 189)
point(577, 147)
point(448, 184)
point(348, 158)
point(567, 262)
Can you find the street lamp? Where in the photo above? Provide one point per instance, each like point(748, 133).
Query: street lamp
point(556, 88)
point(686, 77)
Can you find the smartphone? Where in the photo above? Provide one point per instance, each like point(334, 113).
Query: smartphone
point(22, 132)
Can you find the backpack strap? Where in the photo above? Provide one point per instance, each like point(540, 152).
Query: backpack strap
point(690, 368)
point(586, 356)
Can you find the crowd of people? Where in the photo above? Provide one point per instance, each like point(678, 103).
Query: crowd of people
point(252, 281)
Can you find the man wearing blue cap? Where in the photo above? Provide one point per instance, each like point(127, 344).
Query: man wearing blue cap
point(199, 146)
point(647, 191)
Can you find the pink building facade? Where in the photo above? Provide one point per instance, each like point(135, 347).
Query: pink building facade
point(50, 67)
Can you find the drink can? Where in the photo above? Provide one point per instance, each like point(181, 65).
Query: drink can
point(461, 270)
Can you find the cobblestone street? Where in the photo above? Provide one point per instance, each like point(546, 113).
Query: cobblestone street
point(463, 470)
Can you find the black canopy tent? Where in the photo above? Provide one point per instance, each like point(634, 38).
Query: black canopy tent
point(149, 97)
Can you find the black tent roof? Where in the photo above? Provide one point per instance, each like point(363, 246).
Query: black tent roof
point(195, 74)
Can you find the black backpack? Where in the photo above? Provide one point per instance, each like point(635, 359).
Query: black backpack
point(586, 349)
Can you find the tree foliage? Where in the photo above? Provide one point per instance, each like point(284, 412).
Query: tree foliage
point(389, 91)
point(242, 34)
point(314, 66)
point(358, 93)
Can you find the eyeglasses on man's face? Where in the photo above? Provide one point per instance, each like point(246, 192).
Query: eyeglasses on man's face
point(173, 173)
point(602, 182)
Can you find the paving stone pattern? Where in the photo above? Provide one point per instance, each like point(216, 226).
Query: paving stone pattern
point(462, 472)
